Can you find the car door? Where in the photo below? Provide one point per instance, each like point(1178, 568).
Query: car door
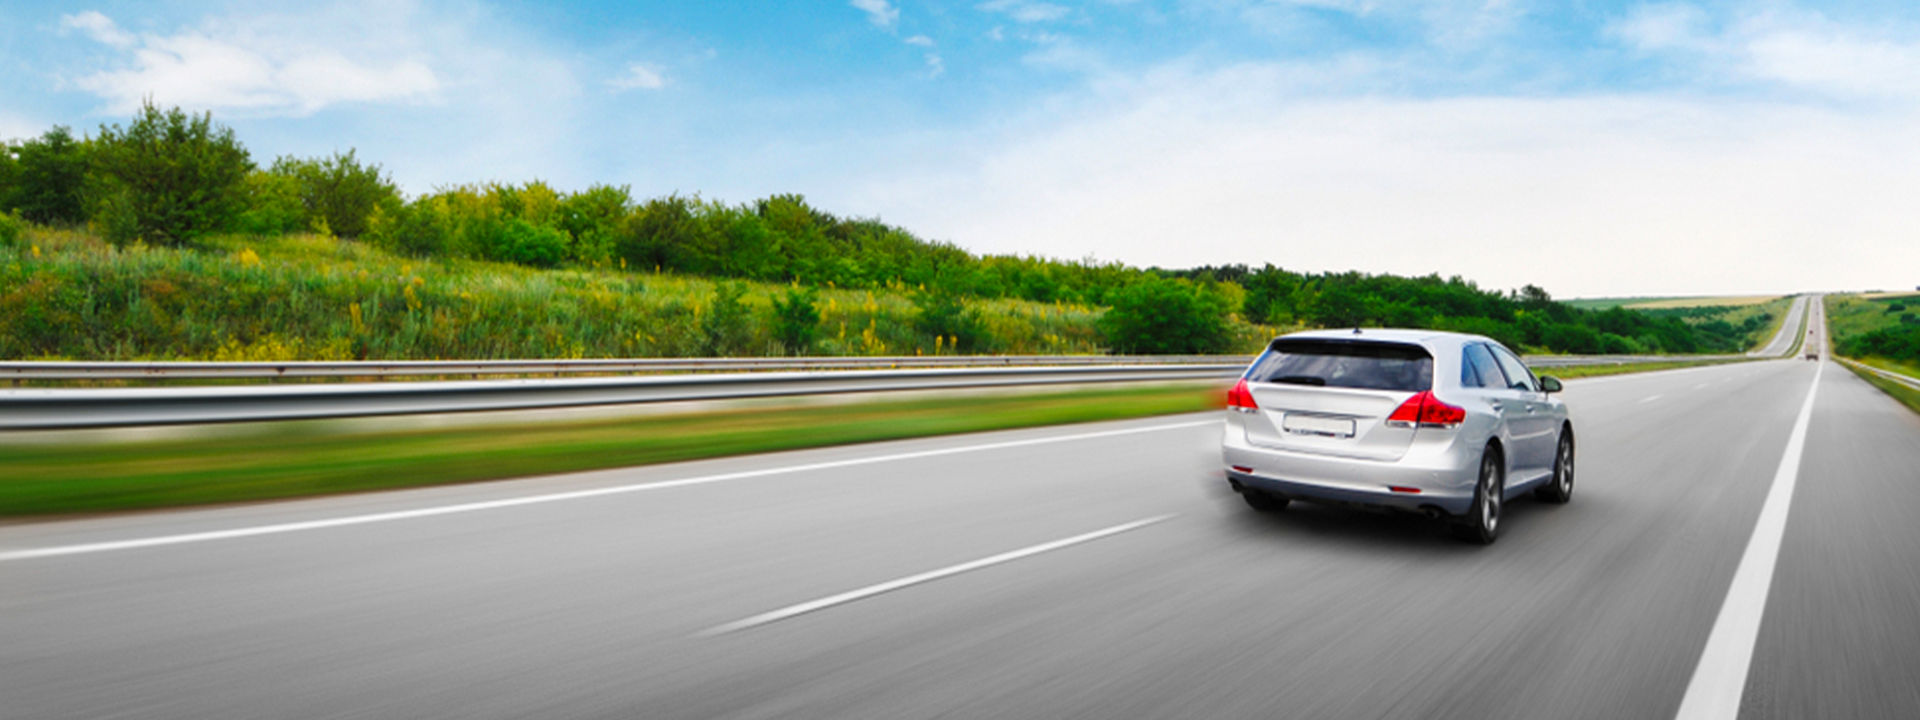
point(1481, 374)
point(1533, 423)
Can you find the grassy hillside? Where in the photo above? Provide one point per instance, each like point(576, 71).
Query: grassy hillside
point(66, 294)
point(1753, 323)
point(1879, 329)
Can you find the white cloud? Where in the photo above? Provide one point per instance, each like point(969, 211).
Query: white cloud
point(1802, 51)
point(1662, 27)
point(639, 77)
point(1026, 11)
point(879, 12)
point(1598, 195)
point(99, 27)
point(258, 68)
point(935, 66)
point(919, 41)
point(13, 127)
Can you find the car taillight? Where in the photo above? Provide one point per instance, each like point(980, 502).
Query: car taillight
point(1425, 410)
point(1240, 398)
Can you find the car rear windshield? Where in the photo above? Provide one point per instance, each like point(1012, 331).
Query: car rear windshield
point(1345, 364)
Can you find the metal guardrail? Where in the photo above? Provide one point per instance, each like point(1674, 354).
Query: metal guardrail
point(1907, 380)
point(18, 371)
point(47, 409)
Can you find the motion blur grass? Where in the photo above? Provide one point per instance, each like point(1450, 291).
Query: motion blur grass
point(285, 460)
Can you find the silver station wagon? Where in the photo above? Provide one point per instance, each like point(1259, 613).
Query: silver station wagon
point(1444, 424)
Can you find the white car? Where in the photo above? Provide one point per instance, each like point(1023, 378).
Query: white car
point(1444, 424)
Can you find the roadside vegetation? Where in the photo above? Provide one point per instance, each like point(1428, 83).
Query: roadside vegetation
point(165, 239)
point(291, 459)
point(1879, 329)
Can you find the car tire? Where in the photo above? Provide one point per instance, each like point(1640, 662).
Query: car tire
point(1481, 523)
point(1263, 502)
point(1560, 489)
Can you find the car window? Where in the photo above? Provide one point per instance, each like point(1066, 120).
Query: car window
point(1346, 364)
point(1477, 362)
point(1517, 373)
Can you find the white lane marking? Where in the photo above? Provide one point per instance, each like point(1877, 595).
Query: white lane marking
point(1650, 398)
point(929, 576)
point(1721, 677)
point(84, 548)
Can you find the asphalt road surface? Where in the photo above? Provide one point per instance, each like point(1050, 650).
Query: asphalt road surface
point(1783, 339)
point(1092, 571)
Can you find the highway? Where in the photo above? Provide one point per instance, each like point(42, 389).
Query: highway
point(1090, 571)
point(1783, 339)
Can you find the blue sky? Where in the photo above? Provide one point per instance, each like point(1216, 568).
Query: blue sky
point(1591, 147)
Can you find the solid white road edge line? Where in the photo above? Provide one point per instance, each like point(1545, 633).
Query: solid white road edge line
point(1721, 677)
point(774, 616)
point(80, 549)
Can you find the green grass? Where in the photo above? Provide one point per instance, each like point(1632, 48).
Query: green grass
point(1906, 395)
point(69, 295)
point(281, 460)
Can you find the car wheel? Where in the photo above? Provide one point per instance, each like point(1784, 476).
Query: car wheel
point(1263, 502)
point(1561, 489)
point(1481, 524)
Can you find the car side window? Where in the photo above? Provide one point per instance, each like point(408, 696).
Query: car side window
point(1517, 373)
point(1479, 364)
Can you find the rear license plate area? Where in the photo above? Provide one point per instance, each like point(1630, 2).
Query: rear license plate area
point(1317, 425)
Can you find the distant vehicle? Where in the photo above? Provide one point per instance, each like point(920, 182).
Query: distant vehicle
point(1813, 355)
point(1444, 424)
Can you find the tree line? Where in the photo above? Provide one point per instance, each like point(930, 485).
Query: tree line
point(169, 177)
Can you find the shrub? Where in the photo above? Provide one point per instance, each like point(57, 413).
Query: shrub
point(1162, 316)
point(942, 314)
point(724, 329)
point(11, 228)
point(796, 320)
point(168, 177)
point(529, 244)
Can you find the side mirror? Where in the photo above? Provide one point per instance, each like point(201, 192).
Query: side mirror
point(1550, 384)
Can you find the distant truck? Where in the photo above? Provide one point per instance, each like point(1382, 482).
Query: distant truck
point(1813, 354)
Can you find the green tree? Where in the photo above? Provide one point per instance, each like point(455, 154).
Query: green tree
point(796, 320)
point(167, 177)
point(592, 217)
point(339, 192)
point(49, 178)
point(273, 205)
point(1166, 316)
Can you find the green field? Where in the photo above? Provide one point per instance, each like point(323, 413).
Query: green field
point(1610, 302)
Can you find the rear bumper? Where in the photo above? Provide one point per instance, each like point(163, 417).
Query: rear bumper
point(1443, 468)
point(1349, 495)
